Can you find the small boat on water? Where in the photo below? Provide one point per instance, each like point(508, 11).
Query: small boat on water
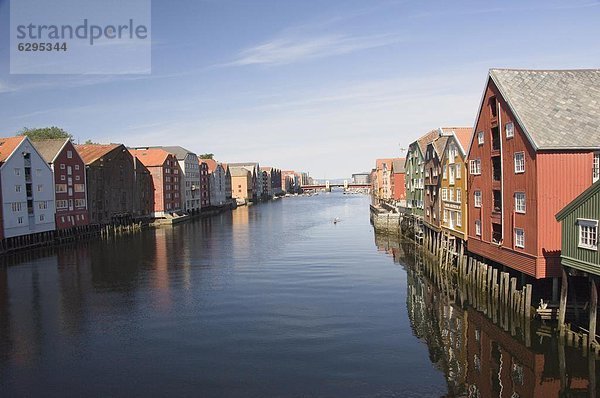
point(336, 220)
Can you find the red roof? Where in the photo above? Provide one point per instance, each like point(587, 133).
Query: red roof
point(8, 146)
point(211, 163)
point(380, 162)
point(463, 135)
point(92, 152)
point(151, 157)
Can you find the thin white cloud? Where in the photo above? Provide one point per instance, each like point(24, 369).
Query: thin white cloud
point(287, 50)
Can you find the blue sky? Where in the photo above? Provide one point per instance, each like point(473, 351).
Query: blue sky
point(321, 86)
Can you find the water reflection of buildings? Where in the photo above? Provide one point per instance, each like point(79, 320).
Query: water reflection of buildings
point(480, 358)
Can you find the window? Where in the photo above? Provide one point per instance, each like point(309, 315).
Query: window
point(519, 238)
point(79, 188)
point(19, 220)
point(445, 176)
point(17, 188)
point(493, 106)
point(42, 217)
point(70, 154)
point(588, 234)
point(477, 198)
point(76, 167)
point(596, 167)
point(17, 172)
point(38, 172)
point(519, 162)
point(63, 178)
point(62, 166)
point(452, 175)
point(475, 166)
point(510, 129)
point(444, 194)
point(69, 170)
point(62, 204)
point(480, 137)
point(459, 218)
point(77, 178)
point(451, 195)
point(40, 188)
point(446, 216)
point(79, 202)
point(458, 195)
point(478, 227)
point(16, 206)
point(520, 202)
point(458, 171)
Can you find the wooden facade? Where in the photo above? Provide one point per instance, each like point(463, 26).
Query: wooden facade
point(579, 225)
point(454, 184)
point(110, 178)
point(516, 185)
point(433, 177)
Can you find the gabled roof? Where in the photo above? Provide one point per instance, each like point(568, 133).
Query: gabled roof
point(463, 137)
point(380, 162)
point(49, 149)
point(397, 165)
point(556, 109)
point(92, 152)
point(238, 171)
point(211, 163)
point(151, 157)
point(578, 201)
point(8, 146)
point(426, 139)
point(179, 151)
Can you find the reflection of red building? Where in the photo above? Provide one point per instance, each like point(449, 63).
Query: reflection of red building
point(70, 189)
point(500, 365)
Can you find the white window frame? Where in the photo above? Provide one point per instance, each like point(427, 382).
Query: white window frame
point(480, 137)
point(588, 224)
point(477, 198)
point(458, 195)
point(519, 170)
point(596, 167)
point(458, 171)
point(509, 128)
point(520, 245)
point(459, 218)
point(475, 167)
point(478, 227)
point(444, 194)
point(520, 209)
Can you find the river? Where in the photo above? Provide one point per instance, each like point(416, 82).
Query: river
point(272, 300)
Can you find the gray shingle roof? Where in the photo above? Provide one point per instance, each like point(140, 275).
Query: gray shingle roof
point(397, 165)
point(49, 148)
point(179, 152)
point(557, 109)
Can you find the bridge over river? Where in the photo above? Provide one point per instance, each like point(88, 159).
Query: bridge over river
point(328, 186)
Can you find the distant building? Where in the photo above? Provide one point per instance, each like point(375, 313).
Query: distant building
point(361, 178)
point(397, 180)
point(454, 185)
point(241, 184)
point(190, 167)
point(217, 184)
point(384, 183)
point(27, 189)
point(254, 169)
point(69, 181)
point(110, 176)
point(204, 182)
point(288, 181)
point(166, 176)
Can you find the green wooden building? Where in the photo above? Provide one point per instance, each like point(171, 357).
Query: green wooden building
point(579, 220)
point(414, 167)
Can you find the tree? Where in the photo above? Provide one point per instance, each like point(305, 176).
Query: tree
point(90, 142)
point(45, 133)
point(206, 156)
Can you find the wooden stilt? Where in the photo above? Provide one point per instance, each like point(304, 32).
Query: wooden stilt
point(563, 303)
point(593, 309)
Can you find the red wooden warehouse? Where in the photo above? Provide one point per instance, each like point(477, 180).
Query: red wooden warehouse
point(536, 135)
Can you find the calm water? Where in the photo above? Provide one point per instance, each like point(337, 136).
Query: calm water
point(269, 301)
